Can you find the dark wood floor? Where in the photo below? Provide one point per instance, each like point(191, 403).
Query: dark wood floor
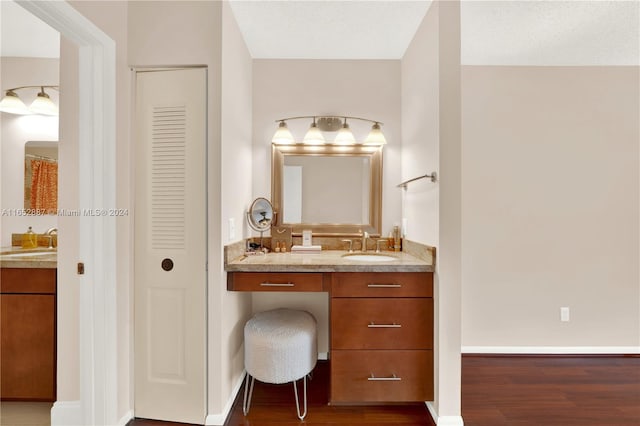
point(551, 391)
point(496, 390)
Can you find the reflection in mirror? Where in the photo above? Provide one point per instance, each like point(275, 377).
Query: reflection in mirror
point(332, 190)
point(41, 177)
point(307, 193)
point(260, 214)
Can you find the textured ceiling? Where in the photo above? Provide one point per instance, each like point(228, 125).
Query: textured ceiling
point(512, 32)
point(550, 32)
point(493, 32)
point(328, 29)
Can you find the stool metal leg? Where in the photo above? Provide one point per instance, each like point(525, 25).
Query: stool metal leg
point(295, 391)
point(247, 403)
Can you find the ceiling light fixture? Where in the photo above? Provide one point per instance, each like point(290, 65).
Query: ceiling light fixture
point(320, 124)
point(42, 105)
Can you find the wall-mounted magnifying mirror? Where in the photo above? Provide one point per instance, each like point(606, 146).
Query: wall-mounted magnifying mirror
point(260, 216)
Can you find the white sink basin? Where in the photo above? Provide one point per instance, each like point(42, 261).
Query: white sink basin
point(28, 254)
point(362, 257)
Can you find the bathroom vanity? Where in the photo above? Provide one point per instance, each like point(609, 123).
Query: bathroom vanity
point(28, 327)
point(381, 318)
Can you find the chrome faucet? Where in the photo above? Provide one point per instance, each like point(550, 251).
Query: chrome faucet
point(50, 233)
point(365, 237)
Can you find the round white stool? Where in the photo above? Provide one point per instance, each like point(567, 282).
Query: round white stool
point(280, 346)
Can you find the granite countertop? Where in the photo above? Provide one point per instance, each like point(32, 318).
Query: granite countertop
point(326, 261)
point(16, 257)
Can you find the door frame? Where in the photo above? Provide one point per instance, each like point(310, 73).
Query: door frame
point(98, 348)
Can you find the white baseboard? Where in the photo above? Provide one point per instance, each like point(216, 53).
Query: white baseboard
point(125, 419)
point(323, 356)
point(553, 350)
point(432, 411)
point(66, 413)
point(219, 419)
point(443, 420)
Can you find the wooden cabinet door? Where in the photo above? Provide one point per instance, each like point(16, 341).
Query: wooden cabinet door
point(27, 347)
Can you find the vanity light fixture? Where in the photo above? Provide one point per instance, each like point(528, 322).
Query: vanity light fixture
point(42, 105)
point(314, 135)
point(12, 104)
point(376, 137)
point(283, 136)
point(320, 124)
point(345, 137)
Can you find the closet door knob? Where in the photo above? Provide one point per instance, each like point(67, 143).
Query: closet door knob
point(167, 264)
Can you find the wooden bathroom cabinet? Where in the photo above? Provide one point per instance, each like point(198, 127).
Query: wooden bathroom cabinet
point(28, 334)
point(381, 328)
point(381, 337)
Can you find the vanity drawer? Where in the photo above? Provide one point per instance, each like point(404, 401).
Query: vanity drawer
point(382, 376)
point(373, 323)
point(274, 281)
point(28, 280)
point(382, 284)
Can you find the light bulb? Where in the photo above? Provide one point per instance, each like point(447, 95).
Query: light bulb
point(345, 137)
point(314, 135)
point(43, 105)
point(376, 137)
point(283, 136)
point(13, 105)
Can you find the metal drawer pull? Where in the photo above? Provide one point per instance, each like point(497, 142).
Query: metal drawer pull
point(393, 378)
point(384, 285)
point(268, 284)
point(374, 325)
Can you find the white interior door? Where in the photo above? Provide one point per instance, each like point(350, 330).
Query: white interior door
point(170, 245)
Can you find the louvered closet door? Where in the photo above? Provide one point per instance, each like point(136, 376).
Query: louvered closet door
point(170, 246)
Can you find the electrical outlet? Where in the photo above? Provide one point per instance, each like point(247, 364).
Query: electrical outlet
point(232, 229)
point(564, 314)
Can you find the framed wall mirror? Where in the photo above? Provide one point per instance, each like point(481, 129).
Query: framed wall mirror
point(331, 190)
point(41, 177)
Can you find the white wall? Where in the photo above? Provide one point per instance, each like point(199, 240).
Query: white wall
point(420, 130)
point(233, 309)
point(111, 18)
point(550, 207)
point(205, 33)
point(16, 131)
point(181, 34)
point(360, 88)
point(431, 142)
point(68, 293)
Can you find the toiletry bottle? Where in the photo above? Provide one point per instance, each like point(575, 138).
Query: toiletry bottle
point(29, 239)
point(390, 241)
point(396, 238)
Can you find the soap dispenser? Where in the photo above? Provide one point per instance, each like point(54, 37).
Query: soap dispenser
point(29, 239)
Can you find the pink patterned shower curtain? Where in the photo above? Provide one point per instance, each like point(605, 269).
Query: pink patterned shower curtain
point(44, 186)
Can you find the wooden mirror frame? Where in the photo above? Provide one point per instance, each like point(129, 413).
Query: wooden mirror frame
point(373, 152)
